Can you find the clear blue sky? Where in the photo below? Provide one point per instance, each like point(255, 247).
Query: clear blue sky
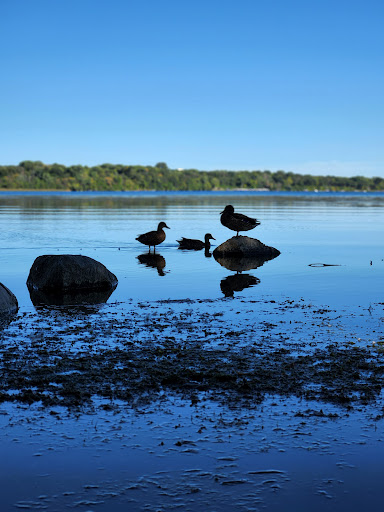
point(245, 84)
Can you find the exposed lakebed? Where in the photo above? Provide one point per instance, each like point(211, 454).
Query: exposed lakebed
point(209, 404)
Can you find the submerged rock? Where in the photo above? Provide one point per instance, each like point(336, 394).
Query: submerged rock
point(68, 273)
point(244, 246)
point(8, 301)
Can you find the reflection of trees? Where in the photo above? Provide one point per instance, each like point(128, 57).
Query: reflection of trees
point(237, 283)
point(153, 260)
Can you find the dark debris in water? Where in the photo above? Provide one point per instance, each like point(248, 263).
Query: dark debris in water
point(68, 357)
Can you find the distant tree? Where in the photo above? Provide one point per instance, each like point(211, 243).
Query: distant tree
point(162, 165)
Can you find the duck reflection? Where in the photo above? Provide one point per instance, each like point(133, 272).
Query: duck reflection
point(237, 283)
point(207, 253)
point(42, 298)
point(153, 260)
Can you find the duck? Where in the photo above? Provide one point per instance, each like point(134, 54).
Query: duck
point(237, 221)
point(153, 238)
point(196, 245)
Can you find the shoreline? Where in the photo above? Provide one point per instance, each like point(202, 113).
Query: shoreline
point(260, 191)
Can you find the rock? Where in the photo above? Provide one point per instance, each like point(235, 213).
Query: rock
point(244, 246)
point(69, 273)
point(8, 301)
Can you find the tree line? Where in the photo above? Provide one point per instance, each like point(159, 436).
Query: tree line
point(35, 175)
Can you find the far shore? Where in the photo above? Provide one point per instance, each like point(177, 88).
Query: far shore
point(216, 190)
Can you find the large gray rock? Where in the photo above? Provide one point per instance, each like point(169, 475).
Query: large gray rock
point(8, 302)
point(69, 272)
point(245, 247)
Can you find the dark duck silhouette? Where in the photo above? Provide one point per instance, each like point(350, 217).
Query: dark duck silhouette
point(237, 221)
point(196, 245)
point(153, 238)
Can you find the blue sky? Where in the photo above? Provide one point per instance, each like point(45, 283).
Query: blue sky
point(246, 84)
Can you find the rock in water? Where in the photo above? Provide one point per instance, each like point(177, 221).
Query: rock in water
point(244, 246)
point(8, 302)
point(69, 272)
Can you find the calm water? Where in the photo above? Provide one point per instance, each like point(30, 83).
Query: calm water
point(61, 461)
point(337, 229)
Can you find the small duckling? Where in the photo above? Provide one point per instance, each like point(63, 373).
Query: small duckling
point(153, 238)
point(237, 221)
point(196, 245)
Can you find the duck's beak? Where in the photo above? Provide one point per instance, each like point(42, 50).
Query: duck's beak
point(167, 227)
point(212, 238)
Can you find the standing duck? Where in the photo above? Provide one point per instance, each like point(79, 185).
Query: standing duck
point(237, 221)
point(153, 238)
point(196, 245)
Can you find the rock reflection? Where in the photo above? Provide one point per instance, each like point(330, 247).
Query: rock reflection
point(42, 298)
point(237, 283)
point(241, 263)
point(153, 260)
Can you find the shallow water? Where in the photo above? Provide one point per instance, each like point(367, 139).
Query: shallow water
point(344, 230)
point(182, 457)
point(166, 448)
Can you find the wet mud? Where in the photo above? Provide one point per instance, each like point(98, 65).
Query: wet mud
point(235, 353)
point(192, 405)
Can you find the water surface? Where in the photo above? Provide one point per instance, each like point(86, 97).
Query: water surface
point(338, 229)
point(311, 441)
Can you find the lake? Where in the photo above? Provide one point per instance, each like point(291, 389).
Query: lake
point(341, 229)
point(195, 387)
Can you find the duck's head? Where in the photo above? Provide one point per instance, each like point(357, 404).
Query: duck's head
point(161, 226)
point(228, 209)
point(208, 236)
